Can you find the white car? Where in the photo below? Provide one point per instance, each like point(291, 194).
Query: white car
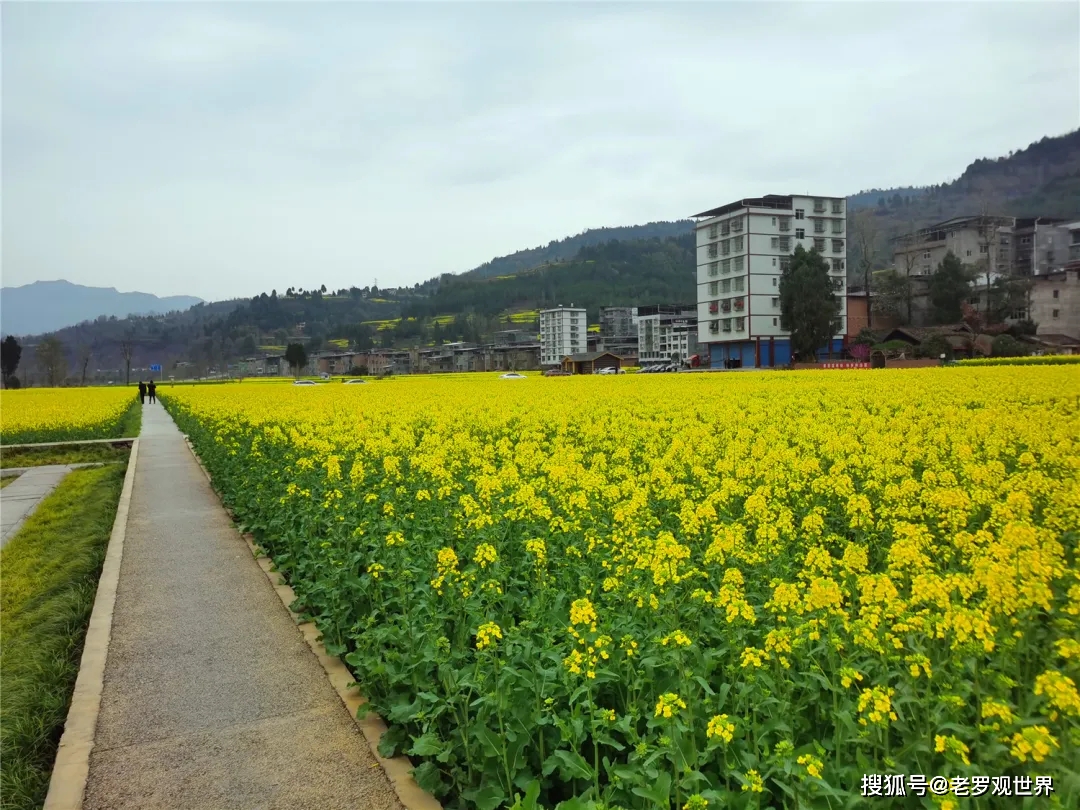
point(355, 382)
point(608, 370)
point(303, 382)
point(511, 376)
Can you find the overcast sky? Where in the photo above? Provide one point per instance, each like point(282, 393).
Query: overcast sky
point(224, 150)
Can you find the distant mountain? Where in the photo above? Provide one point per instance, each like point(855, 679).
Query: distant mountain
point(46, 306)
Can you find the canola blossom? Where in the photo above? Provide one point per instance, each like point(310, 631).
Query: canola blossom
point(62, 414)
point(733, 590)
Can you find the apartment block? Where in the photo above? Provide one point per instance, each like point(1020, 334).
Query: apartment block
point(666, 333)
point(976, 240)
point(742, 250)
point(1054, 303)
point(618, 322)
point(563, 332)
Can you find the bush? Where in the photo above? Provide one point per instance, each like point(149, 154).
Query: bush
point(1043, 360)
point(935, 346)
point(1008, 346)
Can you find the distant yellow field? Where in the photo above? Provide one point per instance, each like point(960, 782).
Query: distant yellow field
point(62, 414)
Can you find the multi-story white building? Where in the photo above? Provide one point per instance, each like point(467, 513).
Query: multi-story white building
point(666, 334)
point(563, 331)
point(742, 249)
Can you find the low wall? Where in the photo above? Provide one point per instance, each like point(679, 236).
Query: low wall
point(847, 364)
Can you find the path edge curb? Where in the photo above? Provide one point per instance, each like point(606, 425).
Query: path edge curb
point(71, 769)
point(397, 769)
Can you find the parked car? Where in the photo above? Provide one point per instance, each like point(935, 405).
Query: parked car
point(556, 372)
point(355, 382)
point(510, 375)
point(303, 382)
point(607, 370)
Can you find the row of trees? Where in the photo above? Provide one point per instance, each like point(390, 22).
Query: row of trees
point(51, 357)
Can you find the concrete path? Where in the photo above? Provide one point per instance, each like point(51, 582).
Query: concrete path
point(19, 499)
point(212, 698)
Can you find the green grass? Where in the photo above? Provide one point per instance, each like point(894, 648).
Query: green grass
point(131, 424)
point(73, 454)
point(9, 480)
point(51, 569)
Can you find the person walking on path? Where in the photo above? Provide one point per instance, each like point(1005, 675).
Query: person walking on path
point(151, 389)
point(142, 392)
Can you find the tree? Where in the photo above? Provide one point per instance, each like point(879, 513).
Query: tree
point(127, 350)
point(10, 354)
point(949, 288)
point(865, 237)
point(53, 360)
point(809, 308)
point(86, 351)
point(296, 357)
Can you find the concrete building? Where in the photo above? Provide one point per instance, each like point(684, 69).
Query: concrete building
point(667, 333)
point(742, 249)
point(618, 322)
point(1054, 303)
point(1040, 245)
point(975, 240)
point(563, 331)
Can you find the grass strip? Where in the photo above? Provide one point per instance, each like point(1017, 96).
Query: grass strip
point(51, 570)
point(131, 424)
point(39, 457)
point(5, 481)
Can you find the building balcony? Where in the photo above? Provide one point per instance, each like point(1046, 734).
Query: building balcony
point(725, 306)
point(739, 305)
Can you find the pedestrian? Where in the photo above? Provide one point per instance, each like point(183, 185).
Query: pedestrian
point(142, 392)
point(152, 390)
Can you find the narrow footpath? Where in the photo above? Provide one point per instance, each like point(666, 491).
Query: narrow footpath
point(19, 499)
point(212, 698)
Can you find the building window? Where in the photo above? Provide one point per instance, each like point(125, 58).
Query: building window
point(1055, 293)
point(926, 254)
point(714, 327)
point(712, 250)
point(712, 231)
point(819, 206)
point(1025, 240)
point(837, 245)
point(738, 244)
point(837, 206)
point(713, 288)
point(726, 247)
point(737, 224)
point(725, 266)
point(774, 243)
point(714, 307)
point(774, 261)
point(785, 244)
point(725, 228)
point(774, 220)
point(775, 301)
point(1049, 255)
point(819, 245)
point(785, 224)
point(837, 265)
point(969, 253)
point(739, 282)
point(725, 286)
point(740, 324)
point(1056, 312)
point(837, 225)
point(712, 268)
point(727, 324)
point(982, 249)
point(800, 213)
point(774, 321)
point(819, 226)
point(738, 264)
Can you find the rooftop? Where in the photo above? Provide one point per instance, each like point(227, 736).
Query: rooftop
point(777, 201)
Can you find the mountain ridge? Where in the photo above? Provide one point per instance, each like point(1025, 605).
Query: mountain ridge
point(46, 306)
